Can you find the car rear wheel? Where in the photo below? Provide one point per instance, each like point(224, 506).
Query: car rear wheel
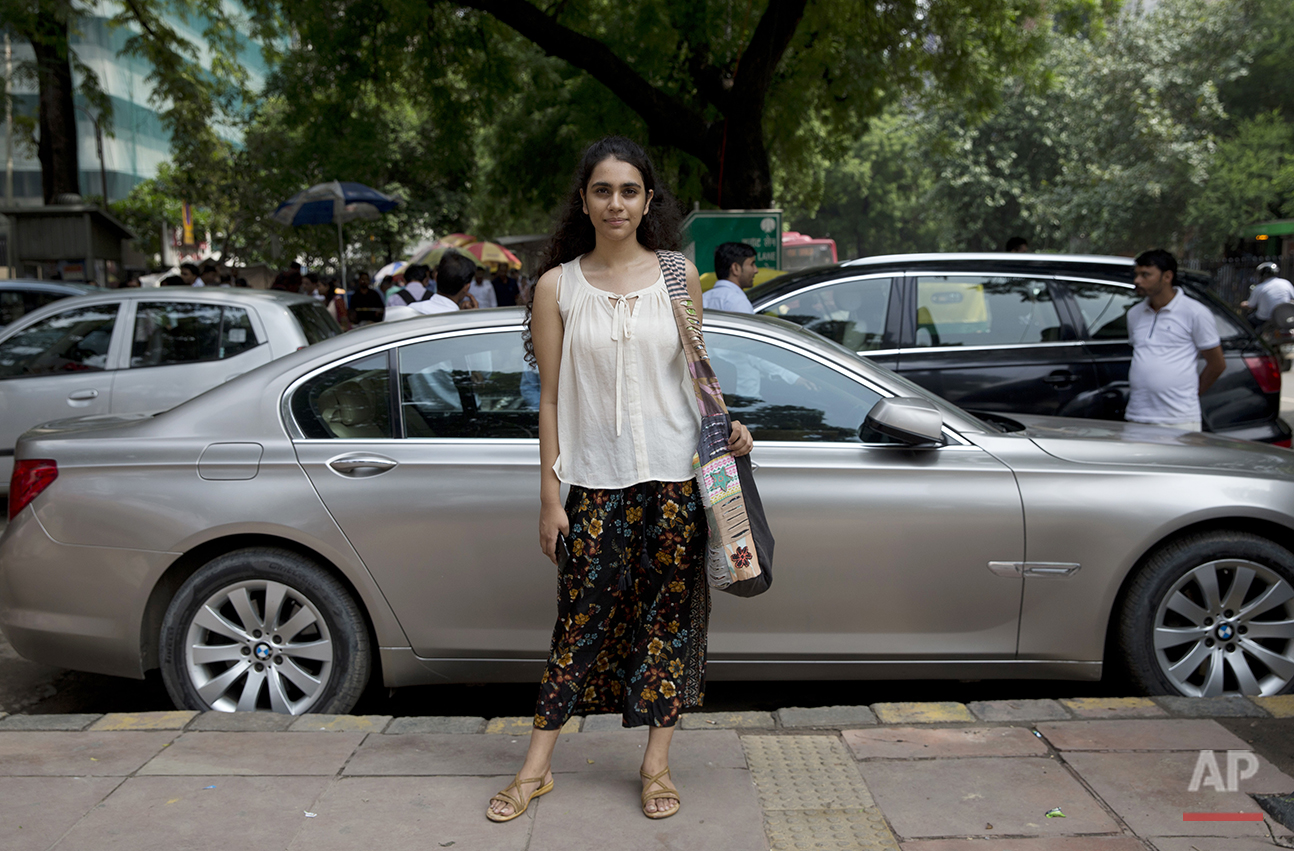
point(264, 629)
point(1212, 614)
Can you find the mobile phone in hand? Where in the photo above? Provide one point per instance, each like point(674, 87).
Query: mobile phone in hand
point(563, 552)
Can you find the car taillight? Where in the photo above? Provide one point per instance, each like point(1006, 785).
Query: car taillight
point(29, 479)
point(1266, 371)
point(1283, 444)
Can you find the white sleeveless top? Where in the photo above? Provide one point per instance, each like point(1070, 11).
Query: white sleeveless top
point(626, 411)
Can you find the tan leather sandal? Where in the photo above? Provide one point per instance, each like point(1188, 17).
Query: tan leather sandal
point(518, 806)
point(665, 791)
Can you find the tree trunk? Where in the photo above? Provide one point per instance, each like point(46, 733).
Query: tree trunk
point(59, 169)
point(740, 177)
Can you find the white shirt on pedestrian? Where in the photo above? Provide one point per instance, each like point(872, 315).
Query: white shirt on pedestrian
point(414, 288)
point(483, 292)
point(725, 295)
point(427, 307)
point(1268, 294)
point(1164, 380)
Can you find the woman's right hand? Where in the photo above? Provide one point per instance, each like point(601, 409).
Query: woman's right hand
point(552, 519)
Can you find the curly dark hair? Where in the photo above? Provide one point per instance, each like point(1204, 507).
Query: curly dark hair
point(574, 235)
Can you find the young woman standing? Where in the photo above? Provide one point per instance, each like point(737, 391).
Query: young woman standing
point(618, 422)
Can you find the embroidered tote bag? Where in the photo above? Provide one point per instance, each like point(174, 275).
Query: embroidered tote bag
point(739, 551)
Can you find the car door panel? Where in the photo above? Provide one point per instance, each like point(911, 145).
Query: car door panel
point(994, 343)
point(882, 553)
point(72, 353)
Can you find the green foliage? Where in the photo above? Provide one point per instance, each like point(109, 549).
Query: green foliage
point(875, 198)
point(1108, 154)
point(1251, 178)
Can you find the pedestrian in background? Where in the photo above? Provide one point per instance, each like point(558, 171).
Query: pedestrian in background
point(414, 288)
point(506, 287)
point(366, 305)
point(1017, 245)
point(734, 265)
point(1270, 291)
point(1168, 332)
point(618, 423)
point(209, 276)
point(189, 275)
point(482, 289)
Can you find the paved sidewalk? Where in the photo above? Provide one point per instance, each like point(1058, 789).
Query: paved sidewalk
point(1070, 775)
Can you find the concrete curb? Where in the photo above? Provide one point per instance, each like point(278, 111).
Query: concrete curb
point(789, 718)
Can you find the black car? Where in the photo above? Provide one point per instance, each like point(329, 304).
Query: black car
point(18, 297)
point(1019, 333)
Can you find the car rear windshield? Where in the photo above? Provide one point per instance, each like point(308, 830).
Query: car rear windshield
point(316, 323)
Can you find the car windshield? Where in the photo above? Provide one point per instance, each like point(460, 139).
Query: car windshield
point(316, 323)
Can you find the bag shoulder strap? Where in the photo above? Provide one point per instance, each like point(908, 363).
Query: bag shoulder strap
point(709, 397)
point(407, 296)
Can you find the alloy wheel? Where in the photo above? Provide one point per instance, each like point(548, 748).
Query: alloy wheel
point(1227, 626)
point(259, 644)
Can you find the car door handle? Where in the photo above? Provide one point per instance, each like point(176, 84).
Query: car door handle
point(83, 395)
point(360, 466)
point(1060, 377)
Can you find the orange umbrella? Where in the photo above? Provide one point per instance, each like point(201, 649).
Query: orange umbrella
point(492, 252)
point(458, 240)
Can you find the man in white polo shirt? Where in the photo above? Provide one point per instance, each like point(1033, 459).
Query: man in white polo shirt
point(1168, 332)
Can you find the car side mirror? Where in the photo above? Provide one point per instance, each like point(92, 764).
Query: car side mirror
point(914, 423)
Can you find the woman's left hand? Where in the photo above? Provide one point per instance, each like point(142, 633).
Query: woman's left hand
point(739, 441)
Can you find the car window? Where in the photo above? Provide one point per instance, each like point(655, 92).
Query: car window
point(71, 341)
point(316, 323)
point(1104, 308)
point(1105, 311)
point(12, 306)
point(851, 313)
point(781, 395)
point(188, 332)
point(979, 310)
point(477, 386)
point(348, 402)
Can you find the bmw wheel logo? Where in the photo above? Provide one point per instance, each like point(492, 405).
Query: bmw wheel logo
point(263, 651)
point(1225, 631)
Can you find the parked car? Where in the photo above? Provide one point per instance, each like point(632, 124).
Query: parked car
point(122, 351)
point(365, 508)
point(20, 296)
point(1026, 333)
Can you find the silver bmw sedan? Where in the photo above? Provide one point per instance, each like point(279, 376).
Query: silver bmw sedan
point(366, 508)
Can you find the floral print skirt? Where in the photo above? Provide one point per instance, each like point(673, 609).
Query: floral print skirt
point(632, 607)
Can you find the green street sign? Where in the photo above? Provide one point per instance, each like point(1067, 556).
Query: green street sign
point(706, 230)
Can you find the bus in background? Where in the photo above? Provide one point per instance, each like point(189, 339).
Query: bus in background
point(801, 251)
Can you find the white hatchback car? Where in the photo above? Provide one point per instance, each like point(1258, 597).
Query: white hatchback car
point(141, 350)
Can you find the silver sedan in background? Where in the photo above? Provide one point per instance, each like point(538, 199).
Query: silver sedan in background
point(366, 508)
point(137, 350)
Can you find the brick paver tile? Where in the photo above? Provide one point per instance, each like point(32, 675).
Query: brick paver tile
point(78, 754)
point(1281, 706)
point(340, 724)
point(174, 720)
point(725, 720)
point(1018, 710)
point(38, 810)
point(1038, 843)
point(838, 717)
point(266, 754)
point(958, 797)
point(521, 725)
point(1228, 706)
point(1214, 843)
point(436, 724)
point(933, 712)
point(1151, 791)
point(1113, 707)
point(1176, 734)
point(938, 742)
point(70, 723)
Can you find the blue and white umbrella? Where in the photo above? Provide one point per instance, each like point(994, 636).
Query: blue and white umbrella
point(336, 202)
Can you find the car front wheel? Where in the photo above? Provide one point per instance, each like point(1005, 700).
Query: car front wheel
point(1212, 614)
point(264, 629)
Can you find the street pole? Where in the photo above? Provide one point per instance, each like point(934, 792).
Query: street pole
point(341, 259)
point(8, 120)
